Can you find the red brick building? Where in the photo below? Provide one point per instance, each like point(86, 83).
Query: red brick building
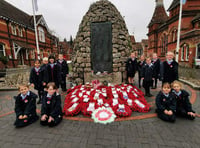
point(17, 36)
point(66, 48)
point(162, 34)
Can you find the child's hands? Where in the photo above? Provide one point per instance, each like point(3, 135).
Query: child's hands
point(44, 83)
point(32, 85)
point(50, 119)
point(191, 114)
point(43, 118)
point(25, 116)
point(170, 112)
point(166, 112)
point(20, 117)
point(142, 78)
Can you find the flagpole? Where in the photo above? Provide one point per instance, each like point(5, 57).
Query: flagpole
point(179, 30)
point(36, 35)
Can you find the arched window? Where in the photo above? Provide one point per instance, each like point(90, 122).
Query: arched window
point(185, 52)
point(164, 42)
point(2, 50)
point(41, 34)
point(14, 29)
point(174, 35)
point(198, 51)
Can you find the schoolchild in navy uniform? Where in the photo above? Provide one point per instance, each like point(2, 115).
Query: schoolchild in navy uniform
point(51, 111)
point(64, 71)
point(141, 63)
point(183, 105)
point(25, 107)
point(131, 68)
point(147, 76)
point(37, 79)
point(169, 69)
point(53, 71)
point(44, 64)
point(156, 66)
point(166, 104)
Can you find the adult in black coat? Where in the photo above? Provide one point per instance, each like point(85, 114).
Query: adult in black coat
point(37, 79)
point(156, 65)
point(166, 104)
point(51, 111)
point(25, 107)
point(64, 71)
point(147, 76)
point(131, 68)
point(183, 105)
point(54, 72)
point(140, 64)
point(169, 69)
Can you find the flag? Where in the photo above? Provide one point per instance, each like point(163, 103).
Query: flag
point(35, 5)
point(183, 2)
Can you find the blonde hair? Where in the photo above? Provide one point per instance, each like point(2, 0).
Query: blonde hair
point(169, 52)
point(23, 85)
point(178, 83)
point(45, 59)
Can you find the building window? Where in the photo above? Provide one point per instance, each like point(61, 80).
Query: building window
point(27, 53)
point(164, 42)
point(20, 31)
point(41, 34)
point(14, 29)
point(198, 51)
point(182, 53)
point(187, 53)
point(174, 35)
point(2, 50)
point(32, 54)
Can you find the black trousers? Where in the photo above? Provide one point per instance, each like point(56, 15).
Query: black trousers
point(147, 85)
point(183, 113)
point(56, 121)
point(25, 122)
point(63, 82)
point(164, 117)
point(154, 83)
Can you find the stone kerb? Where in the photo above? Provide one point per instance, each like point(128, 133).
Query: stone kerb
point(101, 11)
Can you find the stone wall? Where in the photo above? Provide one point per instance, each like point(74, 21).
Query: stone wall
point(15, 76)
point(190, 73)
point(101, 11)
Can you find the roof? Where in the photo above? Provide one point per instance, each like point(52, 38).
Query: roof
point(196, 18)
point(174, 4)
point(159, 16)
point(16, 15)
point(132, 38)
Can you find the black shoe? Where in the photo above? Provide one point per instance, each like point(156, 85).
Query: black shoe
point(149, 95)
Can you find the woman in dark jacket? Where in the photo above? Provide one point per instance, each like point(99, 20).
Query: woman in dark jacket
point(131, 68)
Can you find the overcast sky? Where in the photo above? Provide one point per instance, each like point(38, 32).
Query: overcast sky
point(64, 16)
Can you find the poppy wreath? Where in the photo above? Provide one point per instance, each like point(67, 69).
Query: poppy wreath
point(140, 105)
point(122, 112)
point(85, 109)
point(72, 109)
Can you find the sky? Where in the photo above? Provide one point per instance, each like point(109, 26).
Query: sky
point(64, 16)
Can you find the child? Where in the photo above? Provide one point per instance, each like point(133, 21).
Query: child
point(131, 68)
point(51, 111)
point(156, 66)
point(53, 71)
point(169, 69)
point(166, 104)
point(25, 107)
point(64, 70)
point(147, 76)
point(141, 63)
point(38, 79)
point(183, 105)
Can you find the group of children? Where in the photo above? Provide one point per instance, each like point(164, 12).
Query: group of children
point(46, 79)
point(151, 69)
point(173, 101)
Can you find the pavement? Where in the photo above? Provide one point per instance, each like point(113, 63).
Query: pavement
point(141, 130)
